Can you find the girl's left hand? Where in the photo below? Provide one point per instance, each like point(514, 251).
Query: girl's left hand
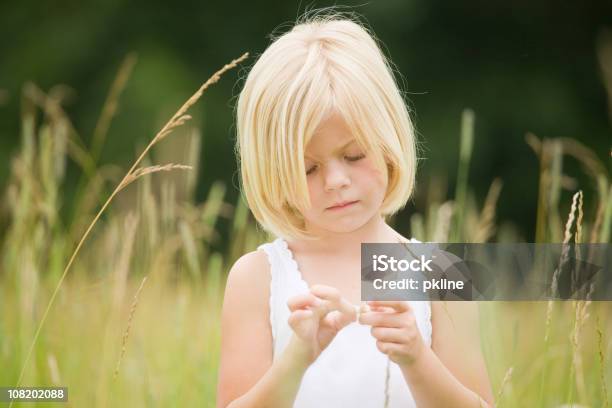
point(395, 329)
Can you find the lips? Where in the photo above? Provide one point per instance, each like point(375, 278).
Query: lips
point(342, 204)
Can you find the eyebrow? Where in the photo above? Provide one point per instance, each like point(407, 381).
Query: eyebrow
point(344, 146)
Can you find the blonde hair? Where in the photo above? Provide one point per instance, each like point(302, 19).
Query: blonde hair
point(324, 64)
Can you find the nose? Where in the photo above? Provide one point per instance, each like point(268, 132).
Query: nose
point(336, 176)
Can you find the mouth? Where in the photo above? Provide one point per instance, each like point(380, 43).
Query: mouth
point(343, 205)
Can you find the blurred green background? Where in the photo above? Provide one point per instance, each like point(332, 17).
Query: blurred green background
point(521, 66)
point(136, 322)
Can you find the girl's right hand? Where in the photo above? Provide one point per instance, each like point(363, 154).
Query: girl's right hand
point(316, 317)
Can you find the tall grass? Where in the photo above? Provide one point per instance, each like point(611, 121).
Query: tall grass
point(34, 191)
point(114, 342)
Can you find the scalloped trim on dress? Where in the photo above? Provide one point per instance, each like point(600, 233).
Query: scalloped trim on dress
point(284, 247)
point(273, 289)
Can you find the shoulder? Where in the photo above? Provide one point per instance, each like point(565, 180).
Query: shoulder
point(245, 302)
point(249, 277)
point(247, 292)
point(249, 264)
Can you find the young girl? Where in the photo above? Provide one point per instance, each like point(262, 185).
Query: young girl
point(327, 151)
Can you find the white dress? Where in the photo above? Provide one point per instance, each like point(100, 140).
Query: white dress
point(351, 371)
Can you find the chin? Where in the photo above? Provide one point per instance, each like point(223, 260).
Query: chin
point(344, 225)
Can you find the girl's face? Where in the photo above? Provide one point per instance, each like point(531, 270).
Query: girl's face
point(339, 172)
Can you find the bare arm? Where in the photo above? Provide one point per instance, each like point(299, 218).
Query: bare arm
point(279, 385)
point(247, 375)
point(452, 372)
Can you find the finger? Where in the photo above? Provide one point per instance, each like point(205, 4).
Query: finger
point(337, 320)
point(381, 309)
point(334, 299)
point(389, 348)
point(382, 319)
point(389, 334)
point(325, 292)
point(322, 308)
point(302, 301)
point(298, 318)
point(397, 305)
point(359, 309)
point(300, 315)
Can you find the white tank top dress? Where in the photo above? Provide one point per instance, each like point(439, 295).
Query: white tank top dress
point(351, 371)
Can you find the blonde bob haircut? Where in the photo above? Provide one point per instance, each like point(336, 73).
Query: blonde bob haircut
point(325, 64)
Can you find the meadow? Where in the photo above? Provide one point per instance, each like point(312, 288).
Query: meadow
point(125, 311)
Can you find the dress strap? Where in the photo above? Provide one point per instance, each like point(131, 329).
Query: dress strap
point(285, 281)
point(291, 264)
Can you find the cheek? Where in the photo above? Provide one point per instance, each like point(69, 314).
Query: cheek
point(314, 191)
point(382, 177)
point(374, 178)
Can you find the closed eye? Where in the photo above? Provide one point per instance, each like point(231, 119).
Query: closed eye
point(310, 170)
point(348, 158)
point(355, 158)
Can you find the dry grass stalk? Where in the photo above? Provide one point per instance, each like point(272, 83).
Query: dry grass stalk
point(580, 317)
point(123, 264)
point(564, 253)
point(602, 361)
point(179, 117)
point(445, 214)
point(567, 236)
point(91, 196)
point(587, 157)
point(506, 380)
point(192, 153)
point(542, 152)
point(417, 227)
point(578, 237)
point(597, 224)
point(549, 151)
point(568, 183)
point(486, 225)
point(143, 171)
point(129, 325)
point(555, 171)
point(99, 135)
point(581, 312)
point(387, 375)
point(171, 124)
point(53, 109)
point(53, 370)
point(110, 105)
point(533, 142)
